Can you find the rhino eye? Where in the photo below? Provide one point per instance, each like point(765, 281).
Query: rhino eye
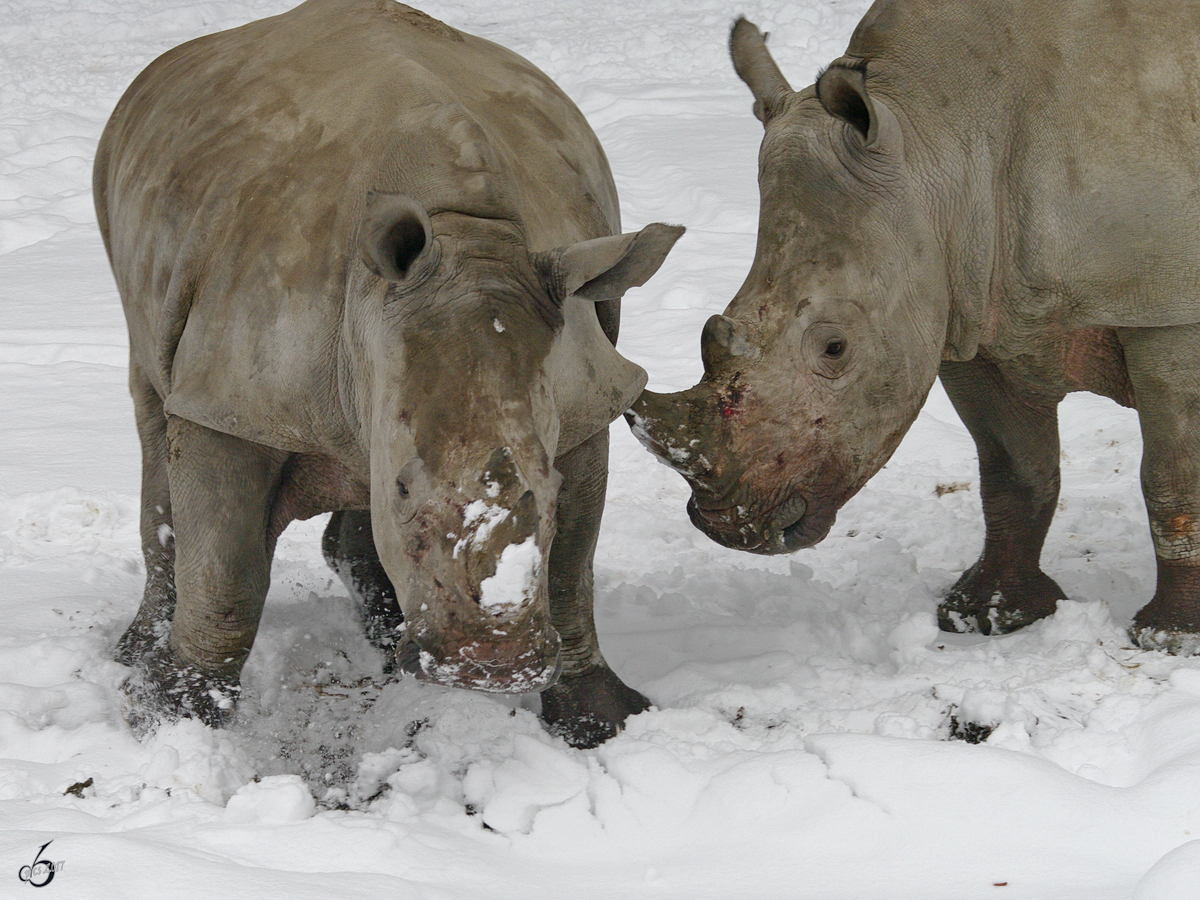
point(401, 487)
point(827, 350)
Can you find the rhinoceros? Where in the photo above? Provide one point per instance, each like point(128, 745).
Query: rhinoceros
point(1003, 193)
point(373, 265)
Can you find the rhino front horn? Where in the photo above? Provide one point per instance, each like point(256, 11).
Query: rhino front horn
point(661, 423)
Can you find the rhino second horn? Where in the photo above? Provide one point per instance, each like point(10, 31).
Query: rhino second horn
point(723, 338)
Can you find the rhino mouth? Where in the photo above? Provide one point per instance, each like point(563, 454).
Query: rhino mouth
point(508, 678)
point(794, 524)
point(809, 529)
point(480, 665)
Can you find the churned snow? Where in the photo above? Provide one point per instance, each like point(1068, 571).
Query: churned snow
point(803, 741)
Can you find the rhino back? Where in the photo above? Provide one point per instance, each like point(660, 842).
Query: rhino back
point(1064, 137)
point(233, 174)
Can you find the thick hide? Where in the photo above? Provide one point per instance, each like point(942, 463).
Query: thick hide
point(1002, 192)
point(371, 264)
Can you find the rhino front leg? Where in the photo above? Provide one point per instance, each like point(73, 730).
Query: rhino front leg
point(1164, 367)
point(349, 547)
point(153, 618)
point(589, 703)
point(1016, 433)
point(223, 491)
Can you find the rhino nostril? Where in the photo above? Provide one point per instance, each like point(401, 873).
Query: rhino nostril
point(789, 513)
point(716, 516)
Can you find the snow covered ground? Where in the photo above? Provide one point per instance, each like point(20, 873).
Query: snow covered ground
point(802, 745)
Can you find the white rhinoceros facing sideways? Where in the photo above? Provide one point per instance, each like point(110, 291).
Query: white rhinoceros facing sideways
point(371, 264)
point(1002, 192)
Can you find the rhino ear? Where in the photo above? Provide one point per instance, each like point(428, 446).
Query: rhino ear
point(395, 232)
point(842, 90)
point(605, 268)
point(755, 66)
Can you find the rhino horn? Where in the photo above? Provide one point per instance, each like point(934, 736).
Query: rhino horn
point(665, 424)
point(756, 67)
point(653, 417)
point(722, 341)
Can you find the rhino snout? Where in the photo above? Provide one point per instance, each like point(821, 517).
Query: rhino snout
point(496, 638)
point(798, 523)
point(477, 607)
point(792, 525)
point(494, 661)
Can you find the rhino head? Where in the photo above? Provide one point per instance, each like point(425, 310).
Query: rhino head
point(824, 357)
point(475, 364)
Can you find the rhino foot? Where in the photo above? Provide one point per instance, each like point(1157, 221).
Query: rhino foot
point(1177, 643)
point(143, 638)
point(163, 689)
point(383, 630)
point(348, 545)
point(1159, 625)
point(991, 605)
point(382, 621)
point(403, 659)
point(587, 710)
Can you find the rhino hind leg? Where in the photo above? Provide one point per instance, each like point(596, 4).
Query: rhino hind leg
point(349, 547)
point(1163, 365)
point(1171, 621)
point(589, 703)
point(151, 624)
point(1016, 433)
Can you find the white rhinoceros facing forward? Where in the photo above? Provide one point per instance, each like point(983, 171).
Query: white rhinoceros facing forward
point(370, 263)
point(1005, 193)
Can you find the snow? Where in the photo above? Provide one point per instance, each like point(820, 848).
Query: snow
point(800, 745)
point(479, 521)
point(516, 579)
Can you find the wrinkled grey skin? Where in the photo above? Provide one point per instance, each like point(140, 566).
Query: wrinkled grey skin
point(1002, 193)
point(370, 264)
